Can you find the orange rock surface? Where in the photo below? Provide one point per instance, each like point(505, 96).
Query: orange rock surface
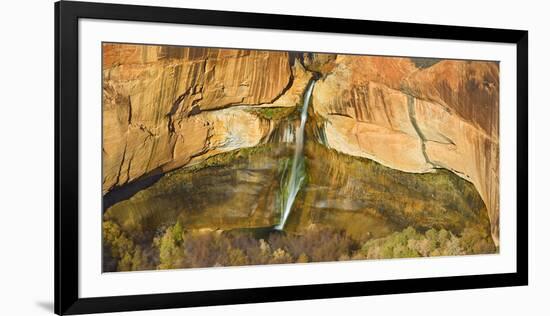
point(167, 107)
point(163, 106)
point(416, 119)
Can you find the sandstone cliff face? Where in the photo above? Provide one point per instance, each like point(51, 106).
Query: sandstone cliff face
point(458, 112)
point(414, 119)
point(165, 107)
point(240, 190)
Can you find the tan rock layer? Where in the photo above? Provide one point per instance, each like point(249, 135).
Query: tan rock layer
point(469, 89)
point(415, 120)
point(164, 106)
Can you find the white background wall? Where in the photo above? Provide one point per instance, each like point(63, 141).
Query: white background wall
point(26, 135)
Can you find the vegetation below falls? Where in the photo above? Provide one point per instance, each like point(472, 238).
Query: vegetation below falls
point(176, 248)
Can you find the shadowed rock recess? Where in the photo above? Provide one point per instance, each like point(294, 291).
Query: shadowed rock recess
point(196, 142)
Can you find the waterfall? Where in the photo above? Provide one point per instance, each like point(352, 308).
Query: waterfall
point(284, 132)
point(291, 182)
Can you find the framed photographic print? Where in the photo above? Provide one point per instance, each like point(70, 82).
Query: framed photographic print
point(208, 157)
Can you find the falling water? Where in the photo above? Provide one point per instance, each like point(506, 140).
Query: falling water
point(291, 182)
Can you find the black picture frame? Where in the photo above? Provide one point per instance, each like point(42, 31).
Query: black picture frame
point(67, 15)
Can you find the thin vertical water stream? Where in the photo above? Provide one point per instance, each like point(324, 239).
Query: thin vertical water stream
point(293, 180)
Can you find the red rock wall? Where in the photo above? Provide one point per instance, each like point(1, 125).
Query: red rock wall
point(416, 119)
point(163, 106)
